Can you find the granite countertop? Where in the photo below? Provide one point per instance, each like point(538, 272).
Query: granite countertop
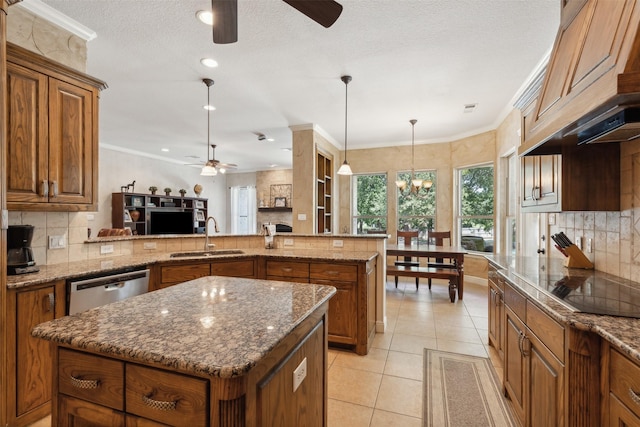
point(49, 273)
point(531, 275)
point(214, 326)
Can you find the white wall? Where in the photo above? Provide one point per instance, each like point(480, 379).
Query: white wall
point(118, 168)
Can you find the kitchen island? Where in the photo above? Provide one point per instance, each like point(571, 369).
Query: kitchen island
point(215, 351)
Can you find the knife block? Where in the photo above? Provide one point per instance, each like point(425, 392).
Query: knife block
point(576, 258)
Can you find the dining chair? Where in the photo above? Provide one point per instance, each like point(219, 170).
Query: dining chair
point(407, 236)
point(438, 238)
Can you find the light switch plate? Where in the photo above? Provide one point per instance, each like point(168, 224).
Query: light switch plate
point(149, 245)
point(288, 242)
point(338, 243)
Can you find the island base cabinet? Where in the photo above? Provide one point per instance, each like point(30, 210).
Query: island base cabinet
point(80, 413)
point(280, 403)
point(620, 415)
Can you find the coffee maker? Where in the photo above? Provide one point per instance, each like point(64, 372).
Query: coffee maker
point(19, 254)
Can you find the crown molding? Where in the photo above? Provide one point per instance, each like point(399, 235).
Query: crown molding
point(316, 128)
point(58, 18)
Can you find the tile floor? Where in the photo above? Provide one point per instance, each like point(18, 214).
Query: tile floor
point(384, 388)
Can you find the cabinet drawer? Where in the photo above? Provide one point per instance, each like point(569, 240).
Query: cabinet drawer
point(167, 397)
point(341, 272)
point(91, 378)
point(183, 273)
point(550, 332)
point(239, 268)
point(624, 380)
point(288, 269)
point(515, 301)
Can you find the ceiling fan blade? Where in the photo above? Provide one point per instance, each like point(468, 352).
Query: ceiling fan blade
point(324, 12)
point(228, 165)
point(225, 21)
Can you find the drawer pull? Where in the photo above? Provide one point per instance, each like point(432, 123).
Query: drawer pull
point(333, 273)
point(287, 269)
point(634, 396)
point(160, 405)
point(84, 384)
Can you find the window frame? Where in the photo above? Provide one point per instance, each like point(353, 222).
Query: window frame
point(354, 203)
point(431, 218)
point(458, 205)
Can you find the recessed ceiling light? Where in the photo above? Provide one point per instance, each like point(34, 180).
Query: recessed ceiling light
point(209, 62)
point(205, 16)
point(164, 149)
point(273, 165)
point(209, 107)
point(270, 139)
point(286, 149)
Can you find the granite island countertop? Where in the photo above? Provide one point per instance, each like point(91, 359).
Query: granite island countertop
point(215, 326)
point(532, 277)
point(70, 270)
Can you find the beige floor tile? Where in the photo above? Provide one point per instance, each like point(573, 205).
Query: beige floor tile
point(405, 365)
point(411, 343)
point(388, 419)
point(354, 385)
point(344, 414)
point(480, 322)
point(458, 333)
point(448, 319)
point(45, 422)
point(424, 328)
point(400, 395)
point(382, 340)
point(462, 348)
point(484, 336)
point(331, 357)
point(374, 361)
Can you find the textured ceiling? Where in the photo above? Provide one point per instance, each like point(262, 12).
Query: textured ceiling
point(409, 59)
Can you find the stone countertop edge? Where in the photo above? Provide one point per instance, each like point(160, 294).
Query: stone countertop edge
point(621, 332)
point(218, 235)
point(63, 271)
point(212, 326)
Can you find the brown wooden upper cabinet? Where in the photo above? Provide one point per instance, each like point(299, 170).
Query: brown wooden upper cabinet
point(52, 141)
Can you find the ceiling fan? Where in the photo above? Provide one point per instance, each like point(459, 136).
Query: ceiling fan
point(212, 166)
point(225, 13)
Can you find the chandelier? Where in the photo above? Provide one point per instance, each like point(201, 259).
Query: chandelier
point(415, 187)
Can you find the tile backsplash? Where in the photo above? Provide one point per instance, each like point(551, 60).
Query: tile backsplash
point(72, 225)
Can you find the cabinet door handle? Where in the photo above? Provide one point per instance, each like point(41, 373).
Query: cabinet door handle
point(44, 191)
point(287, 269)
point(634, 396)
point(84, 384)
point(49, 302)
point(533, 193)
point(161, 405)
point(526, 343)
point(54, 188)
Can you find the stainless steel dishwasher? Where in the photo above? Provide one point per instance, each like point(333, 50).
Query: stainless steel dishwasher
point(92, 291)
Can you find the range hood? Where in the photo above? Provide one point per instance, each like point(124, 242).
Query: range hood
point(621, 127)
point(590, 92)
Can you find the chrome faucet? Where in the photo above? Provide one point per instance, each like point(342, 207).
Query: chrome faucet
point(207, 245)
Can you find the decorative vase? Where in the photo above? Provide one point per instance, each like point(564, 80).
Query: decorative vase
point(135, 215)
point(153, 192)
point(183, 192)
point(167, 193)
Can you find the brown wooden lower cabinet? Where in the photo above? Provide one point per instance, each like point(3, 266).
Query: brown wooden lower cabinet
point(551, 370)
point(30, 359)
point(623, 381)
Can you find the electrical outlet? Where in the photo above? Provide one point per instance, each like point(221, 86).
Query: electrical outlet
point(302, 217)
point(338, 243)
point(149, 245)
point(106, 249)
point(589, 245)
point(56, 242)
point(288, 242)
point(299, 374)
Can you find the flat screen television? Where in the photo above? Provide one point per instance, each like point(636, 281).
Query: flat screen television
point(170, 222)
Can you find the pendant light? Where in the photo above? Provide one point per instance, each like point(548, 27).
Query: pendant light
point(209, 169)
point(345, 169)
point(415, 185)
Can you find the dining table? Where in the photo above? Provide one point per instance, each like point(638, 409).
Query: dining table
point(455, 254)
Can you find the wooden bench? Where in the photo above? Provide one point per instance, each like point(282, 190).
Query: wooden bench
point(450, 274)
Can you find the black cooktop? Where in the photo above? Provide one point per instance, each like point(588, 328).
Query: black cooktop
point(597, 295)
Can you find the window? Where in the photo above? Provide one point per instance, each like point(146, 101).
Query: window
point(475, 208)
point(243, 210)
point(418, 212)
point(370, 203)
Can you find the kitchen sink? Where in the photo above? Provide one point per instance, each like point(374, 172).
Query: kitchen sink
point(206, 253)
